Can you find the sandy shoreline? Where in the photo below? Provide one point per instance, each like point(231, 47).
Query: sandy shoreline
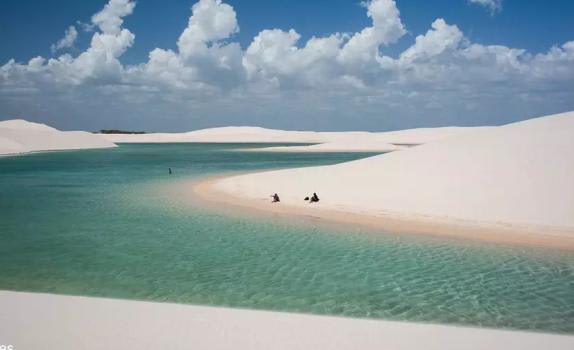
point(47, 321)
point(546, 237)
point(510, 184)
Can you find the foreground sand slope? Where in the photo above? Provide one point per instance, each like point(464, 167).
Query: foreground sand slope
point(521, 173)
point(20, 136)
point(43, 321)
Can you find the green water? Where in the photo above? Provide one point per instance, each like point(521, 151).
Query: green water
point(99, 223)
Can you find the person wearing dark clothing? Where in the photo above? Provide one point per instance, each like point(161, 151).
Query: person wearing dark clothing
point(314, 198)
point(169, 169)
point(275, 198)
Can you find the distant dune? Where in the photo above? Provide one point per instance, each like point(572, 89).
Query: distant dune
point(359, 145)
point(330, 141)
point(20, 136)
point(517, 174)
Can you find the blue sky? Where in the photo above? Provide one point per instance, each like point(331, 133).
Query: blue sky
point(535, 25)
point(211, 98)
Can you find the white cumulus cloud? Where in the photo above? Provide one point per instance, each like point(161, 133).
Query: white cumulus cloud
point(494, 6)
point(441, 78)
point(439, 38)
point(98, 63)
point(203, 59)
point(211, 20)
point(110, 18)
point(387, 28)
point(70, 36)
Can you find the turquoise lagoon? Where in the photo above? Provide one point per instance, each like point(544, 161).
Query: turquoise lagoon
point(100, 223)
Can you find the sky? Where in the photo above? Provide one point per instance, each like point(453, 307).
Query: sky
point(374, 65)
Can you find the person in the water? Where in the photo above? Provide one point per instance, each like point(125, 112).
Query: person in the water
point(169, 169)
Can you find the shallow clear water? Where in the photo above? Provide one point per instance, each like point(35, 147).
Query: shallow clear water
point(98, 222)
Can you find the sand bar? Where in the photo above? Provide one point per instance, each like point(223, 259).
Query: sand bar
point(509, 184)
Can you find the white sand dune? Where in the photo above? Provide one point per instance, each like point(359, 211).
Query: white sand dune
point(354, 141)
point(359, 145)
point(517, 174)
point(20, 136)
point(43, 321)
point(240, 134)
point(374, 142)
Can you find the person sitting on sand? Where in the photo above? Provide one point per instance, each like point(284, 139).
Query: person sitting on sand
point(314, 198)
point(275, 198)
